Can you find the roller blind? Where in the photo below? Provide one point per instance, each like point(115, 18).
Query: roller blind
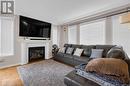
point(72, 34)
point(6, 36)
point(92, 33)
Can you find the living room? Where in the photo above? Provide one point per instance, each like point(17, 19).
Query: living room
point(31, 55)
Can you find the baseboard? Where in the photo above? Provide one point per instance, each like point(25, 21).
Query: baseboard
point(12, 65)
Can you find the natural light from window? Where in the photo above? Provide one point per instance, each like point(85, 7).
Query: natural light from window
point(6, 36)
point(92, 33)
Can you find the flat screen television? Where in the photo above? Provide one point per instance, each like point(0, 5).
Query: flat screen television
point(34, 28)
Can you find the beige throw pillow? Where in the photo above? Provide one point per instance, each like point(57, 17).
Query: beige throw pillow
point(62, 50)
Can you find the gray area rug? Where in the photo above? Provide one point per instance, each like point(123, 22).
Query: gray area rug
point(44, 73)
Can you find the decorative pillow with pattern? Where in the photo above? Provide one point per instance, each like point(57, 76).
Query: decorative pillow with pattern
point(78, 52)
point(62, 50)
point(69, 50)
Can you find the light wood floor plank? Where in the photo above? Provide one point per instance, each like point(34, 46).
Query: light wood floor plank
point(10, 77)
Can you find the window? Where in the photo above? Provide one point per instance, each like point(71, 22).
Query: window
point(121, 34)
point(6, 36)
point(72, 34)
point(92, 33)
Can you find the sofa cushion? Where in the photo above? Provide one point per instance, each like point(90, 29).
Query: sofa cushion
point(68, 59)
point(65, 58)
point(96, 53)
point(68, 56)
point(59, 54)
point(87, 50)
point(82, 59)
point(106, 48)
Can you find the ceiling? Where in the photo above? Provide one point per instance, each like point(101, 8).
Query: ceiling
point(60, 11)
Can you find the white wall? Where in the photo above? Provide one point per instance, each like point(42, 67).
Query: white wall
point(62, 35)
point(121, 34)
point(54, 34)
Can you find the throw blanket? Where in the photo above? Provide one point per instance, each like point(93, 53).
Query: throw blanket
point(116, 68)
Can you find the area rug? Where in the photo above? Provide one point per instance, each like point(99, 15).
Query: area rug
point(44, 73)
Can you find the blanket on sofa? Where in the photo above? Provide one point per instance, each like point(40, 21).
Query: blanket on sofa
point(99, 79)
point(114, 68)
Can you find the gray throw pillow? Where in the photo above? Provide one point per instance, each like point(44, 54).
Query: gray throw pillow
point(96, 53)
point(116, 53)
point(69, 50)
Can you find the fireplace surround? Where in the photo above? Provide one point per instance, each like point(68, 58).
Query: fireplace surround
point(26, 44)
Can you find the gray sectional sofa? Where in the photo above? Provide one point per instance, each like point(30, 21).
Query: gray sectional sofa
point(72, 79)
point(85, 57)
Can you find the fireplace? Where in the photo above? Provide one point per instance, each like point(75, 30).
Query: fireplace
point(26, 44)
point(36, 53)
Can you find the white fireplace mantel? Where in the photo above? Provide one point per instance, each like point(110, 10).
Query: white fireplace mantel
point(25, 44)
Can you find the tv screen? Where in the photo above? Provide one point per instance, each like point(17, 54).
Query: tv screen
point(34, 28)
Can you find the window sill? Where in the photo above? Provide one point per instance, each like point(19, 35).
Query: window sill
point(9, 55)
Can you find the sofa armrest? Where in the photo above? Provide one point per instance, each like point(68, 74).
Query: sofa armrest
point(72, 79)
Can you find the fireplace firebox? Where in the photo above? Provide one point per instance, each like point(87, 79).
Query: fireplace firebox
point(36, 53)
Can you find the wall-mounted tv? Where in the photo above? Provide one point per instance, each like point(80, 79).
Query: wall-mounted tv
point(34, 28)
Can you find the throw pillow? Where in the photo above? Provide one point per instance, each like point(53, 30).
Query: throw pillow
point(116, 53)
point(78, 52)
point(110, 66)
point(69, 50)
point(62, 50)
point(105, 48)
point(87, 50)
point(96, 53)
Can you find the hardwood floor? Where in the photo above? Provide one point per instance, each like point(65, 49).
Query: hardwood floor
point(10, 77)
